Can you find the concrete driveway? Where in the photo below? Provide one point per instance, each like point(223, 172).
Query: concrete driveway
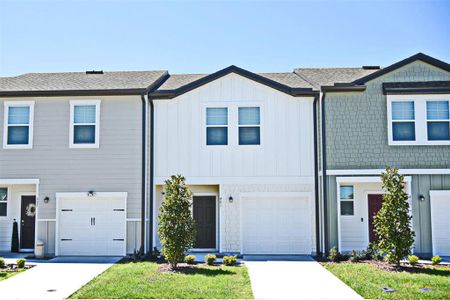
point(298, 278)
point(57, 278)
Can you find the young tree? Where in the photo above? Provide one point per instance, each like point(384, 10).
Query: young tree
point(176, 224)
point(392, 223)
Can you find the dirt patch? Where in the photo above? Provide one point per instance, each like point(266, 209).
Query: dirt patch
point(382, 265)
point(181, 268)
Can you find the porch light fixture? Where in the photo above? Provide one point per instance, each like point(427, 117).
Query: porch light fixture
point(421, 197)
point(230, 199)
point(46, 199)
point(91, 194)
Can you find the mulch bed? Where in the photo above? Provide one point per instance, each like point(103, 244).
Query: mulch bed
point(382, 265)
point(184, 268)
point(9, 268)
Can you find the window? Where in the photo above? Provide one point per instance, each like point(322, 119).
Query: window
point(216, 126)
point(3, 202)
point(438, 121)
point(18, 125)
point(249, 126)
point(403, 125)
point(346, 200)
point(84, 124)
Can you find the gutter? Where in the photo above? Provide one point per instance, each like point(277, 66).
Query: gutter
point(316, 174)
point(144, 168)
point(324, 178)
point(56, 93)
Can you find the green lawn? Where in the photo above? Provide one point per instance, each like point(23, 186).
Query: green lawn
point(143, 280)
point(5, 275)
point(367, 280)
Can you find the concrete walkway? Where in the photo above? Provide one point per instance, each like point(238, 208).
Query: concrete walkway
point(302, 278)
point(57, 278)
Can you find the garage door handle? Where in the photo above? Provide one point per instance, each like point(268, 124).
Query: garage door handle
point(93, 219)
point(66, 209)
point(120, 240)
point(118, 209)
point(66, 240)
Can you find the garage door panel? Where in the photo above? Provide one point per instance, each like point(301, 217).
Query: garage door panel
point(440, 222)
point(275, 225)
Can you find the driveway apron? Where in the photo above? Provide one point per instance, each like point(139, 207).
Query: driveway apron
point(301, 279)
point(56, 279)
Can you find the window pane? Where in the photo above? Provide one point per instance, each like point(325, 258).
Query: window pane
point(249, 136)
point(402, 110)
point(18, 135)
point(3, 194)
point(84, 134)
point(347, 208)
point(403, 131)
point(19, 115)
point(437, 110)
point(438, 131)
point(84, 114)
point(346, 192)
point(249, 116)
point(216, 136)
point(217, 116)
point(3, 209)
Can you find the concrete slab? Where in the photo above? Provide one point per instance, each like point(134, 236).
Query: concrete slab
point(306, 279)
point(56, 279)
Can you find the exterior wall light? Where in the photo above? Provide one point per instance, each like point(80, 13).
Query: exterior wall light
point(91, 194)
point(46, 199)
point(421, 197)
point(230, 199)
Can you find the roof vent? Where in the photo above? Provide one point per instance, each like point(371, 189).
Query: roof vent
point(371, 67)
point(94, 72)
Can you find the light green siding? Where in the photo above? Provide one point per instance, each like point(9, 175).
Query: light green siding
point(356, 127)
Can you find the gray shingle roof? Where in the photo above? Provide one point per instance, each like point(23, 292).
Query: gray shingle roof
point(176, 81)
point(80, 81)
point(329, 76)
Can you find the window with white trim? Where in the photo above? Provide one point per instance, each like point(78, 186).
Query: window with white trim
point(3, 202)
point(346, 193)
point(249, 126)
point(84, 123)
point(216, 126)
point(418, 119)
point(18, 125)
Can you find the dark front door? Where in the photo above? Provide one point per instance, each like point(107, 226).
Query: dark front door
point(375, 202)
point(204, 208)
point(28, 219)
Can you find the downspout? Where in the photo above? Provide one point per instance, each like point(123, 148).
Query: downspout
point(144, 154)
point(324, 178)
point(316, 175)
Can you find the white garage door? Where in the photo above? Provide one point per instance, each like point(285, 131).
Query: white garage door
point(278, 224)
point(440, 222)
point(91, 225)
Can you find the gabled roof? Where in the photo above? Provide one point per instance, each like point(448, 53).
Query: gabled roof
point(419, 56)
point(77, 83)
point(288, 83)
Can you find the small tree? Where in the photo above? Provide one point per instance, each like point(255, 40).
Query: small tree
point(392, 223)
point(176, 224)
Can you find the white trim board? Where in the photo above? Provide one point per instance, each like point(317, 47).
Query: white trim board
point(241, 180)
point(18, 181)
point(371, 179)
point(379, 171)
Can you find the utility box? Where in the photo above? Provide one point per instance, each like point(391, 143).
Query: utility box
point(39, 251)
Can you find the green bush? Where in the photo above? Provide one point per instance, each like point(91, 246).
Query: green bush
point(2, 262)
point(413, 260)
point(435, 260)
point(210, 259)
point(356, 256)
point(189, 259)
point(334, 255)
point(229, 260)
point(21, 263)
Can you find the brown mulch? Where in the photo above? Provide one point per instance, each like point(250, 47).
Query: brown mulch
point(181, 268)
point(384, 266)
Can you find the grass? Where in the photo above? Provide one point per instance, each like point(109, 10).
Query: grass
point(137, 280)
point(7, 274)
point(367, 280)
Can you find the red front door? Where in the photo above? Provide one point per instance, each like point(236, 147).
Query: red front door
point(374, 204)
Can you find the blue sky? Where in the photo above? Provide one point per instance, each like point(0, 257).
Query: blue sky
point(198, 37)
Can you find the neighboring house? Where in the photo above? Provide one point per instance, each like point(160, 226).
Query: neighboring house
point(396, 116)
point(71, 161)
point(245, 143)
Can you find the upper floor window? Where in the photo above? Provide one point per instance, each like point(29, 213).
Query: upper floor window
point(249, 126)
point(346, 200)
point(84, 123)
point(418, 120)
point(438, 121)
point(216, 126)
point(3, 202)
point(18, 125)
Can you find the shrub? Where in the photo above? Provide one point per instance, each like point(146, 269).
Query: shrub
point(210, 259)
point(176, 224)
point(435, 260)
point(393, 222)
point(413, 260)
point(2, 262)
point(356, 256)
point(21, 263)
point(229, 260)
point(334, 255)
point(189, 259)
